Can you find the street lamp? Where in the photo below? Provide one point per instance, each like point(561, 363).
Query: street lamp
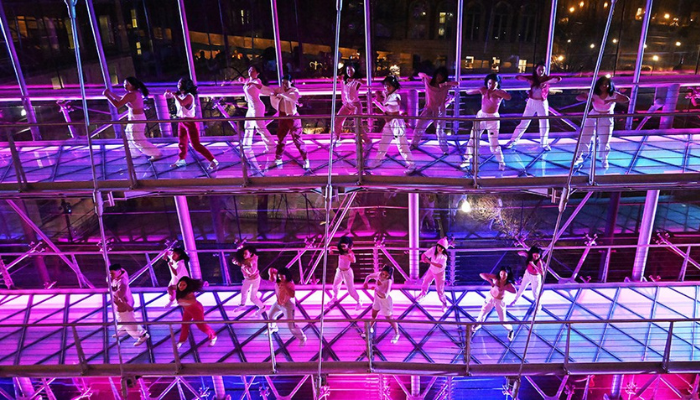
point(655, 59)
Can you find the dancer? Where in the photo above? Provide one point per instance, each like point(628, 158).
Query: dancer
point(124, 302)
point(437, 257)
point(350, 95)
point(389, 102)
point(178, 265)
point(133, 100)
point(285, 292)
point(186, 105)
point(534, 274)
point(247, 258)
point(536, 105)
point(491, 97)
point(500, 284)
point(253, 87)
point(604, 99)
point(192, 309)
point(436, 89)
point(285, 99)
point(344, 271)
point(382, 299)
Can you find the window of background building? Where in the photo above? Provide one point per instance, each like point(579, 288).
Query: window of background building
point(522, 66)
point(501, 22)
point(445, 19)
point(526, 31)
point(106, 30)
point(419, 18)
point(472, 21)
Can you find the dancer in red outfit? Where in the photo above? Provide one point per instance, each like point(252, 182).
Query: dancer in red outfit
point(186, 104)
point(192, 309)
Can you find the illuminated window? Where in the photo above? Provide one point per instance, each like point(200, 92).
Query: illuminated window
point(69, 30)
point(134, 20)
point(639, 15)
point(446, 19)
point(138, 48)
point(418, 20)
point(106, 29)
point(22, 26)
point(469, 62)
point(522, 66)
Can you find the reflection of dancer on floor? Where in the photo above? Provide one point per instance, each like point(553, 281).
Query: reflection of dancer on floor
point(534, 274)
point(536, 105)
point(178, 265)
point(356, 209)
point(133, 100)
point(285, 291)
point(247, 258)
point(350, 95)
point(500, 284)
point(124, 302)
point(427, 210)
point(285, 99)
point(389, 102)
point(192, 309)
point(382, 299)
point(436, 89)
point(436, 257)
point(491, 97)
point(604, 99)
point(185, 103)
point(344, 272)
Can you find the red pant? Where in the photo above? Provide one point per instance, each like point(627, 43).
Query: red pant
point(292, 126)
point(195, 312)
point(189, 128)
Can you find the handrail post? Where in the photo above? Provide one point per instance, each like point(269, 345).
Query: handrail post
point(19, 170)
point(594, 157)
point(368, 343)
point(244, 159)
point(468, 348)
point(568, 348)
point(475, 137)
point(667, 350)
point(129, 161)
point(273, 360)
point(176, 354)
point(79, 350)
point(359, 149)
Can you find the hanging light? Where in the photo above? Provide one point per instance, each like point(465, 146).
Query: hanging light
point(465, 207)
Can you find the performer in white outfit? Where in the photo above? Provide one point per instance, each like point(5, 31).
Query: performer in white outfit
point(491, 97)
point(500, 284)
point(604, 99)
point(389, 102)
point(284, 99)
point(247, 258)
point(436, 90)
point(124, 302)
point(178, 262)
point(382, 299)
point(344, 271)
point(536, 105)
point(285, 291)
point(133, 100)
point(436, 256)
point(534, 275)
point(350, 96)
point(253, 88)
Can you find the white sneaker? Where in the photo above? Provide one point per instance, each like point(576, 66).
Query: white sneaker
point(240, 308)
point(278, 162)
point(178, 164)
point(179, 344)
point(395, 339)
point(307, 164)
point(578, 161)
point(213, 164)
point(606, 164)
point(142, 339)
point(364, 334)
point(420, 298)
point(155, 158)
point(502, 166)
point(411, 168)
point(170, 304)
point(302, 341)
point(358, 307)
point(511, 144)
point(212, 341)
point(546, 147)
point(465, 164)
point(260, 311)
point(273, 329)
point(511, 335)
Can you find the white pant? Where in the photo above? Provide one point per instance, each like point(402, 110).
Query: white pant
point(603, 128)
point(395, 129)
point(135, 331)
point(423, 124)
point(350, 109)
point(385, 306)
point(251, 285)
point(534, 107)
point(439, 284)
point(251, 127)
point(136, 134)
point(492, 129)
point(528, 278)
point(287, 312)
point(489, 304)
point(349, 277)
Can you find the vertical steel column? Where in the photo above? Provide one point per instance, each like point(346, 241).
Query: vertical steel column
point(103, 63)
point(413, 235)
point(11, 51)
point(188, 50)
point(278, 45)
point(183, 216)
point(645, 230)
point(219, 388)
point(550, 37)
point(413, 104)
point(163, 112)
point(369, 58)
point(458, 63)
point(638, 65)
point(616, 387)
point(25, 387)
point(415, 387)
point(672, 92)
